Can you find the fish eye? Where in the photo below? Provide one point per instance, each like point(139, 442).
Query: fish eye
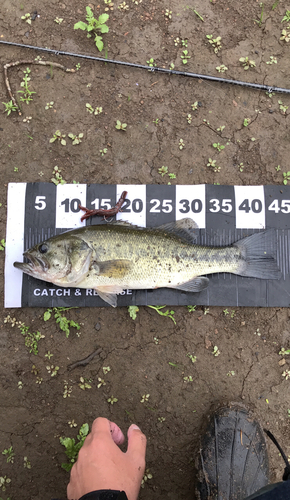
point(43, 248)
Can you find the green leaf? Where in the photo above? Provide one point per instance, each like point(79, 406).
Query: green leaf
point(67, 467)
point(103, 18)
point(99, 43)
point(104, 28)
point(84, 430)
point(133, 311)
point(80, 26)
point(90, 14)
point(46, 315)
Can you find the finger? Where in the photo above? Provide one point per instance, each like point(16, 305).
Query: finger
point(116, 433)
point(136, 442)
point(101, 425)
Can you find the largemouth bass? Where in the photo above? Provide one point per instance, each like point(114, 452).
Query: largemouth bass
point(117, 256)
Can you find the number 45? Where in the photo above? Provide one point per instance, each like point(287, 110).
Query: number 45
point(40, 202)
point(285, 206)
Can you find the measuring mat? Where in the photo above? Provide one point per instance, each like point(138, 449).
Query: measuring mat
point(224, 214)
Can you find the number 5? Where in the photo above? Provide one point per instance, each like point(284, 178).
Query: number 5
point(40, 203)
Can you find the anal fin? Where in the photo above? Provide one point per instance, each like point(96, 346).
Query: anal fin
point(195, 285)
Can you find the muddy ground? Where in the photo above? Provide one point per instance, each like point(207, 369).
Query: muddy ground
point(148, 355)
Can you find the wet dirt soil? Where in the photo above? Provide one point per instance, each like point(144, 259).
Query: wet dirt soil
point(148, 355)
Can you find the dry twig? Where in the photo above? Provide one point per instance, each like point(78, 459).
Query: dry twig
point(17, 63)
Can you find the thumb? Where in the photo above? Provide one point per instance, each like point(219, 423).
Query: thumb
point(137, 444)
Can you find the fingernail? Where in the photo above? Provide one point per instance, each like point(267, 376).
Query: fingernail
point(134, 426)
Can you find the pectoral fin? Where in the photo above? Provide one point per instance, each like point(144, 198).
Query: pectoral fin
point(196, 285)
point(112, 268)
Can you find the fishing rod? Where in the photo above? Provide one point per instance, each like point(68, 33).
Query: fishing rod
point(156, 69)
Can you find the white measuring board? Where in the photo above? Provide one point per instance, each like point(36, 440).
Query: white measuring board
point(224, 214)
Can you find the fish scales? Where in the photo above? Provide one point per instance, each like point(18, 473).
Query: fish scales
point(157, 259)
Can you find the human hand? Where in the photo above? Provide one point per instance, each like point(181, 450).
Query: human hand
point(101, 465)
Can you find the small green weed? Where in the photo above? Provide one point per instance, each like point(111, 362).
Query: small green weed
point(247, 63)
point(112, 400)
point(9, 454)
point(212, 163)
point(167, 313)
point(181, 144)
point(286, 178)
point(58, 136)
point(58, 20)
point(145, 398)
point(282, 107)
point(286, 374)
point(85, 383)
point(26, 18)
point(189, 118)
point(191, 308)
point(64, 323)
point(123, 6)
point(147, 475)
point(184, 42)
point(222, 68)
point(103, 151)
point(26, 93)
point(216, 351)
point(185, 56)
point(218, 146)
point(246, 122)
point(194, 106)
point(198, 15)
point(168, 13)
point(121, 126)
point(26, 463)
point(94, 25)
point(2, 244)
point(241, 167)
point(285, 35)
point(273, 60)
point(284, 351)
point(52, 370)
point(4, 481)
point(72, 447)
point(9, 107)
point(151, 62)
point(97, 111)
point(261, 16)
point(49, 105)
point(31, 339)
point(76, 139)
point(57, 179)
point(191, 357)
point(215, 43)
point(286, 17)
point(133, 311)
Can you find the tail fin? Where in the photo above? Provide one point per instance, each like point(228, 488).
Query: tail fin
point(259, 256)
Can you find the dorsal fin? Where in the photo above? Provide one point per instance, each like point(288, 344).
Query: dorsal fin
point(183, 228)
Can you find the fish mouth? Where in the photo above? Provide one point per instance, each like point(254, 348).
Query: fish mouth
point(34, 264)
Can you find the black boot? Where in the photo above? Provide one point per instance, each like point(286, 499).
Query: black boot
point(233, 460)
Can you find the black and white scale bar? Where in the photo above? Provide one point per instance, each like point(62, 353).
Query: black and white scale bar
point(224, 214)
